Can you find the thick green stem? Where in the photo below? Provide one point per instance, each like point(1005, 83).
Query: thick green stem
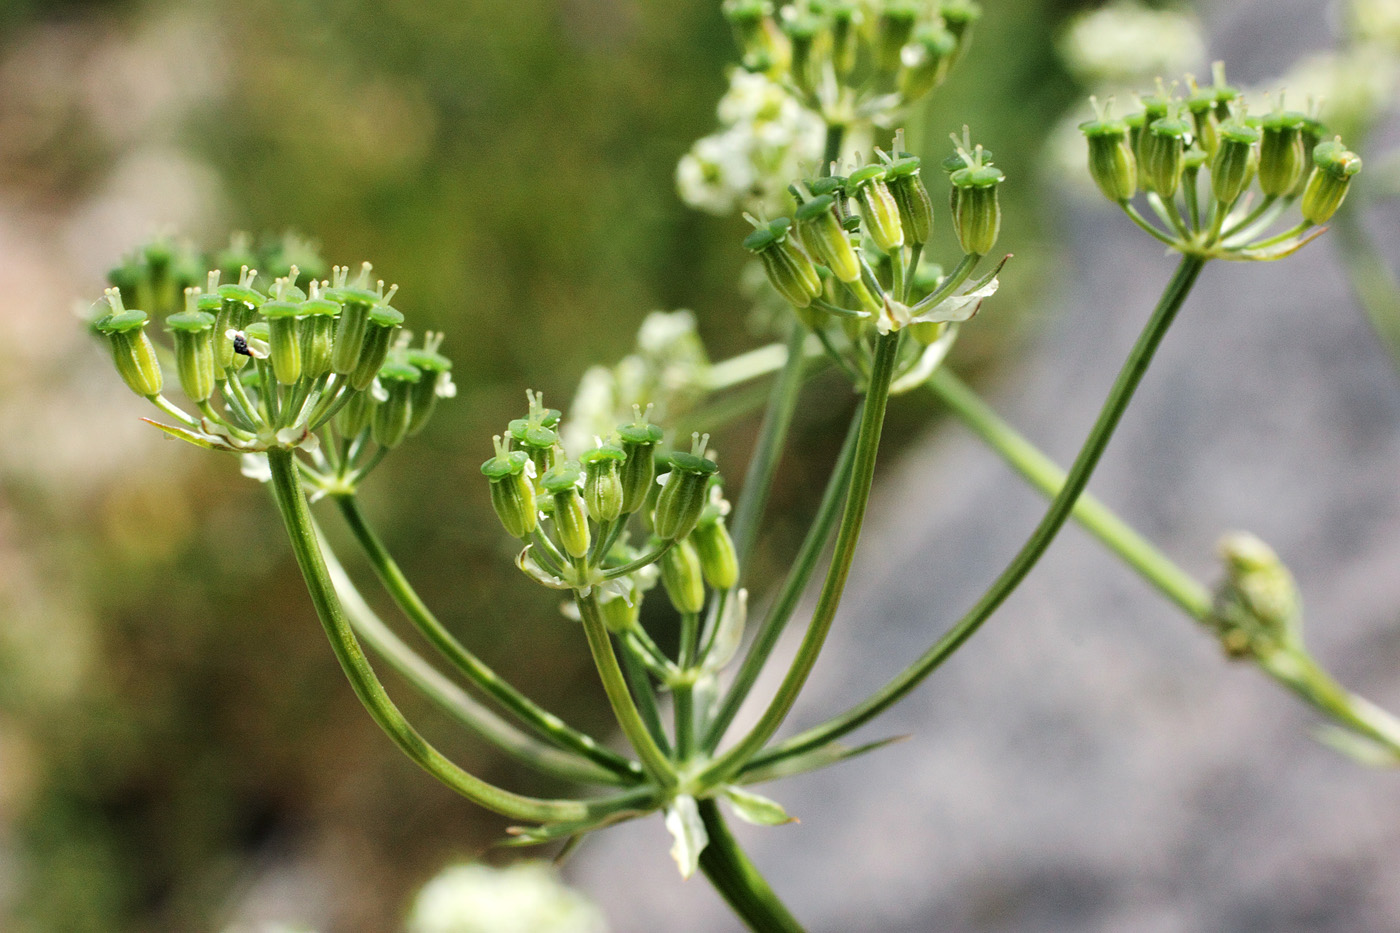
point(291, 501)
point(738, 881)
point(543, 722)
point(1117, 402)
point(654, 760)
point(847, 537)
point(1041, 472)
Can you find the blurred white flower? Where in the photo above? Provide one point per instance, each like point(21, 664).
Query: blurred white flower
point(1127, 42)
point(765, 139)
point(526, 897)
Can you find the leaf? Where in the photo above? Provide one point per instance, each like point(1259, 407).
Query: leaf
point(820, 757)
point(519, 836)
point(756, 809)
point(688, 831)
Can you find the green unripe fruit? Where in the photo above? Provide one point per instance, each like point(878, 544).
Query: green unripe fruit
point(1236, 161)
point(317, 336)
point(512, 493)
point(425, 391)
point(683, 497)
point(1163, 148)
point(892, 31)
point(788, 268)
point(1281, 154)
point(351, 326)
point(1112, 164)
point(132, 350)
point(380, 327)
point(391, 415)
point(911, 197)
point(718, 559)
point(975, 209)
point(878, 208)
point(1334, 166)
point(284, 339)
point(638, 473)
point(618, 616)
point(825, 238)
point(194, 352)
point(570, 519)
point(602, 482)
point(240, 302)
point(683, 578)
point(926, 61)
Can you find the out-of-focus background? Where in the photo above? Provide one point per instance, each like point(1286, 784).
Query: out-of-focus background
point(178, 749)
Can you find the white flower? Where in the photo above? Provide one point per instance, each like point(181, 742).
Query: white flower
point(1126, 42)
point(526, 897)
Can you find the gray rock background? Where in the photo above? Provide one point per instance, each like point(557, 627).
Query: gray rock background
point(1090, 761)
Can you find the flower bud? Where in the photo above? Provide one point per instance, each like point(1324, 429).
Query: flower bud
point(825, 239)
point(1281, 155)
point(845, 37)
point(639, 440)
point(1236, 161)
point(570, 519)
point(436, 381)
point(805, 66)
point(892, 31)
point(878, 209)
point(910, 195)
point(926, 61)
point(512, 493)
point(682, 576)
point(132, 350)
point(284, 339)
point(602, 482)
point(351, 325)
point(718, 560)
point(318, 317)
point(751, 23)
point(1204, 123)
point(392, 414)
point(976, 212)
point(788, 268)
point(1112, 164)
point(1257, 610)
point(379, 332)
point(683, 497)
point(1331, 176)
point(619, 615)
point(194, 352)
point(1162, 150)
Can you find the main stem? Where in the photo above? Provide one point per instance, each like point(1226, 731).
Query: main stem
point(1055, 516)
point(291, 502)
point(737, 880)
point(847, 537)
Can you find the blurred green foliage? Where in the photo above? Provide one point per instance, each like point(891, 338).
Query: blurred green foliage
point(510, 166)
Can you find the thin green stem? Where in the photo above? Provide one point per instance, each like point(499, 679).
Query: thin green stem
point(683, 691)
point(738, 880)
point(1040, 471)
point(1300, 673)
point(453, 700)
point(543, 722)
point(634, 668)
point(654, 760)
point(950, 284)
point(847, 537)
point(291, 502)
point(1117, 402)
point(804, 565)
point(831, 150)
point(632, 566)
point(1146, 224)
point(772, 437)
point(173, 410)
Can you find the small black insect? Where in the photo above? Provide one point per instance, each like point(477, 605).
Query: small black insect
point(240, 344)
